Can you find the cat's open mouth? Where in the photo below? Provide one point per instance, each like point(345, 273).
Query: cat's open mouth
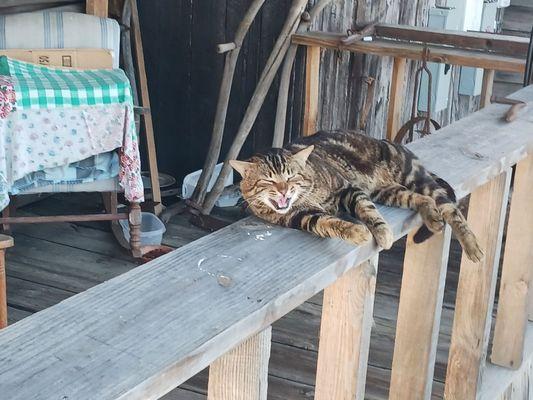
point(281, 203)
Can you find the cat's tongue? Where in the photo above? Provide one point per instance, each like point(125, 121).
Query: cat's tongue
point(283, 202)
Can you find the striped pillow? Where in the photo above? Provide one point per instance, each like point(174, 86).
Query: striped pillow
point(58, 30)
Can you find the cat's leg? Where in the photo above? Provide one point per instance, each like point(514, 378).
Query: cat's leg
point(397, 195)
point(328, 226)
point(435, 207)
point(359, 204)
point(440, 191)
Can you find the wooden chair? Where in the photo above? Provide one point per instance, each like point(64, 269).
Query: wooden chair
point(108, 188)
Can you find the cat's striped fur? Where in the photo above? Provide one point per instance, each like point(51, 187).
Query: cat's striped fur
point(308, 184)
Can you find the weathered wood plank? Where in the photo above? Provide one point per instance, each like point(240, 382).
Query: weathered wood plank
point(419, 316)
point(505, 44)
point(475, 292)
point(506, 384)
point(486, 87)
point(312, 84)
point(117, 322)
point(242, 373)
point(508, 341)
point(396, 97)
point(97, 7)
point(345, 335)
point(392, 48)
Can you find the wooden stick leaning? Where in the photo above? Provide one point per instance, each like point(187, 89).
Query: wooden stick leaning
point(283, 94)
point(233, 50)
point(265, 81)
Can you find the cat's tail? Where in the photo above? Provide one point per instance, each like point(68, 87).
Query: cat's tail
point(424, 233)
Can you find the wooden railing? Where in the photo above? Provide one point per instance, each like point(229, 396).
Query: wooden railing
point(213, 301)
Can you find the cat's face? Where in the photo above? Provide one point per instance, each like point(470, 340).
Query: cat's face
point(275, 180)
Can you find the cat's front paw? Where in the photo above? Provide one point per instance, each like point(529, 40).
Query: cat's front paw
point(384, 236)
point(357, 234)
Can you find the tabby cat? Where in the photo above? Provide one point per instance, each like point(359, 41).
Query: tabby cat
point(307, 184)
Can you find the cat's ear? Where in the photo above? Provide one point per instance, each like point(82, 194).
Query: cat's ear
point(240, 166)
point(303, 155)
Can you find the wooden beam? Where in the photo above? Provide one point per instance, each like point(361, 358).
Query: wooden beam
point(511, 320)
point(5, 242)
point(502, 44)
point(417, 329)
point(312, 75)
point(145, 102)
point(396, 97)
point(242, 373)
point(486, 88)
point(475, 291)
point(414, 51)
point(100, 8)
point(345, 335)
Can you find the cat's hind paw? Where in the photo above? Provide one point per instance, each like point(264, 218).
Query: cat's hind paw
point(432, 218)
point(472, 249)
point(384, 236)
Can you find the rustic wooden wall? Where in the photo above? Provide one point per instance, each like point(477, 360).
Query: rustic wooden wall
point(184, 71)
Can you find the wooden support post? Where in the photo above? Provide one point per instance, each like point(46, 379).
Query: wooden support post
point(345, 335)
point(312, 75)
point(97, 7)
point(396, 97)
point(486, 88)
point(242, 373)
point(511, 320)
point(5, 242)
point(145, 102)
point(475, 291)
point(135, 219)
point(417, 329)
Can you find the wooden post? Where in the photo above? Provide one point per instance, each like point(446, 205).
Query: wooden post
point(396, 97)
point(145, 102)
point(486, 87)
point(345, 335)
point(417, 329)
point(312, 75)
point(511, 321)
point(475, 291)
point(242, 373)
point(135, 219)
point(5, 242)
point(97, 7)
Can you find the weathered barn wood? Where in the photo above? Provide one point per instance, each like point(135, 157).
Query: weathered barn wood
point(384, 47)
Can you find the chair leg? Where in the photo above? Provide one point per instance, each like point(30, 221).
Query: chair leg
point(135, 229)
point(7, 212)
point(5, 242)
point(110, 202)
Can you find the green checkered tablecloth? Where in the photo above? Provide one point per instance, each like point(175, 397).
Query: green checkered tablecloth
point(45, 87)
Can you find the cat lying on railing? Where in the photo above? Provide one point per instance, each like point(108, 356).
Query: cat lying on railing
point(307, 183)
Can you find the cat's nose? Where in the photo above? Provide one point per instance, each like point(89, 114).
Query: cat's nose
point(282, 188)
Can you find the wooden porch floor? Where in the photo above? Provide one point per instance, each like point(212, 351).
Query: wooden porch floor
point(51, 262)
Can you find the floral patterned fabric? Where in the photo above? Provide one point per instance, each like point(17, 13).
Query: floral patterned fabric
point(33, 140)
point(7, 96)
